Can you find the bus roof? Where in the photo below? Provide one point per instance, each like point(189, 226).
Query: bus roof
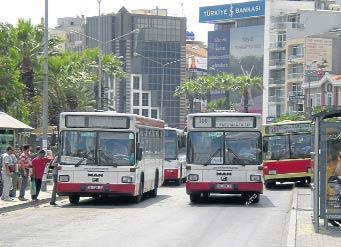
point(222, 114)
point(139, 120)
point(288, 127)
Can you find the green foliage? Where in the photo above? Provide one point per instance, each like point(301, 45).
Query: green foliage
point(292, 117)
point(71, 75)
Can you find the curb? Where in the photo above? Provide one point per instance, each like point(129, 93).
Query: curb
point(28, 204)
point(291, 239)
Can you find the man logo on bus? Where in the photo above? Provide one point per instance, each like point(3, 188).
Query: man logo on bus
point(95, 174)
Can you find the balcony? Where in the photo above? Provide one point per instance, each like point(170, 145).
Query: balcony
point(276, 81)
point(278, 45)
point(277, 63)
point(297, 76)
point(278, 25)
point(295, 57)
point(276, 98)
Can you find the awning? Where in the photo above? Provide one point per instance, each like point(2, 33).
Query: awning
point(8, 122)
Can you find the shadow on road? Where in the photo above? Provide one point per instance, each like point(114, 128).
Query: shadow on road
point(232, 201)
point(173, 184)
point(116, 202)
point(282, 187)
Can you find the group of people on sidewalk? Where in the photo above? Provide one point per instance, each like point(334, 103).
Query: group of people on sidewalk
point(28, 167)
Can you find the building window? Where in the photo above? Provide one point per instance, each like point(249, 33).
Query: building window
point(136, 82)
point(339, 97)
point(153, 113)
point(136, 111)
point(136, 99)
point(145, 99)
point(145, 112)
point(296, 87)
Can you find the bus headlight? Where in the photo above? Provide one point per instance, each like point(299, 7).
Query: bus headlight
point(127, 179)
point(64, 178)
point(193, 177)
point(256, 178)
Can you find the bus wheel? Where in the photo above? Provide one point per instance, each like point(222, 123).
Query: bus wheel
point(206, 195)
point(308, 181)
point(153, 193)
point(270, 185)
point(255, 198)
point(74, 200)
point(194, 198)
point(138, 198)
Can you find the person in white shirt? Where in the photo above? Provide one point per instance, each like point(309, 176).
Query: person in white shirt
point(6, 174)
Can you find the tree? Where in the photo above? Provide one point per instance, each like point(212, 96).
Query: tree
point(243, 84)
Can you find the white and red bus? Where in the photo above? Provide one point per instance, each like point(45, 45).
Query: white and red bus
point(224, 155)
point(287, 147)
point(109, 154)
point(175, 155)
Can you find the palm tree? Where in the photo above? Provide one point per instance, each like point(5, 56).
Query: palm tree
point(225, 83)
point(28, 44)
point(243, 84)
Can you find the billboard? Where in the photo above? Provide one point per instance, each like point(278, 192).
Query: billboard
point(246, 56)
point(319, 54)
point(330, 170)
point(218, 50)
point(233, 11)
point(197, 63)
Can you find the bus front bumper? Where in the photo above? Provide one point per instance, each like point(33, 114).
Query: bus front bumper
point(84, 189)
point(224, 188)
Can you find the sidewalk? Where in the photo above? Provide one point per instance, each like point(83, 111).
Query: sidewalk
point(305, 235)
point(16, 204)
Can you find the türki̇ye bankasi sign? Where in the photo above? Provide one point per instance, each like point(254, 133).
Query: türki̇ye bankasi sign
point(234, 11)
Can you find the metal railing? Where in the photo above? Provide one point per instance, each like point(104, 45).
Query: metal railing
point(277, 80)
point(295, 76)
point(278, 45)
point(296, 56)
point(277, 62)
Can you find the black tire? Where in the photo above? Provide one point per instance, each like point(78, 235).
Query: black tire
point(153, 193)
point(194, 198)
point(256, 199)
point(269, 185)
point(74, 200)
point(138, 198)
point(205, 195)
point(309, 180)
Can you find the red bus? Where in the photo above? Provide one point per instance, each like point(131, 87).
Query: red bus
point(287, 146)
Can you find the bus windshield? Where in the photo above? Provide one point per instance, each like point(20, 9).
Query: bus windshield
point(219, 148)
point(171, 145)
point(294, 146)
point(97, 148)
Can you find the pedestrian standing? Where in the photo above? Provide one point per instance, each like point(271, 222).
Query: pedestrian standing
point(38, 167)
point(6, 174)
point(55, 179)
point(15, 175)
point(24, 169)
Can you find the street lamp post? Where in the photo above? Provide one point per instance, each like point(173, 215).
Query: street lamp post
point(163, 65)
point(99, 99)
point(46, 77)
point(101, 44)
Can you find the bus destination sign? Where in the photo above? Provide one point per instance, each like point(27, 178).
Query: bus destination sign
point(224, 122)
point(288, 128)
point(105, 122)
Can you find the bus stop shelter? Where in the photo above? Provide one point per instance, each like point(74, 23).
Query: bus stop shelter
point(12, 131)
point(327, 168)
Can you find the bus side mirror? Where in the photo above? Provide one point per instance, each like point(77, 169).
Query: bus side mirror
point(265, 147)
point(138, 153)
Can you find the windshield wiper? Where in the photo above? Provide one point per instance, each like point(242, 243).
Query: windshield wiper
point(80, 161)
point(211, 157)
point(237, 157)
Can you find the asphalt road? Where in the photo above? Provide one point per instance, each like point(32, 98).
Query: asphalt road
point(168, 220)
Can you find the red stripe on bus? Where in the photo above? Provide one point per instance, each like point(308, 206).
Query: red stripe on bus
point(287, 166)
point(171, 174)
point(212, 186)
point(108, 188)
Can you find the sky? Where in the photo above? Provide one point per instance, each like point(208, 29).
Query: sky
point(12, 10)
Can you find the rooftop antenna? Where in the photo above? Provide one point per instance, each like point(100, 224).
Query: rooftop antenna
point(182, 9)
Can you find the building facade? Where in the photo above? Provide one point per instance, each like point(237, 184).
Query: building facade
point(285, 46)
point(236, 45)
point(154, 60)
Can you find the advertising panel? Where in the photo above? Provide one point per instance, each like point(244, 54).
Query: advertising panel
point(233, 11)
point(218, 51)
point(331, 171)
point(319, 56)
point(246, 56)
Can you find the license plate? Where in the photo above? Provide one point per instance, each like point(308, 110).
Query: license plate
point(272, 172)
point(95, 187)
point(224, 186)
